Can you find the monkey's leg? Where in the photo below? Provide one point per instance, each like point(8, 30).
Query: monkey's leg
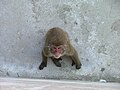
point(75, 60)
point(44, 62)
point(73, 63)
point(56, 61)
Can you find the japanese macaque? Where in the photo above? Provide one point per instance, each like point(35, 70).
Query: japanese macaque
point(57, 44)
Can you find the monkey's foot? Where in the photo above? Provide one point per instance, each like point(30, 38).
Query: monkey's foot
point(78, 66)
point(42, 65)
point(73, 63)
point(57, 63)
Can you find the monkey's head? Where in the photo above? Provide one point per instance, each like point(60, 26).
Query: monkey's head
point(57, 51)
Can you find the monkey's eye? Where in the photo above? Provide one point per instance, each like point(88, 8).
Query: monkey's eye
point(59, 48)
point(54, 48)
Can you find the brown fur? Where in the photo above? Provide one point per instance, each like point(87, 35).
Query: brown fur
point(57, 37)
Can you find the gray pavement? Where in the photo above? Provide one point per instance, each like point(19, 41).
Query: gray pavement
point(44, 84)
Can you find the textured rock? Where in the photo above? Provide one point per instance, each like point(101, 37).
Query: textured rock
point(93, 27)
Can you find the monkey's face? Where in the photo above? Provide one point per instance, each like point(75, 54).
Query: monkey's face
point(57, 51)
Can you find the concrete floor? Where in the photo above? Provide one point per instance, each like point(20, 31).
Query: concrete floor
point(40, 84)
point(92, 25)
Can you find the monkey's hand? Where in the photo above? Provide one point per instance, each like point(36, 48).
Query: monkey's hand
point(57, 63)
point(78, 66)
point(42, 65)
point(59, 59)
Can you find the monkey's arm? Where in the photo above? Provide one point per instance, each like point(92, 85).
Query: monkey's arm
point(44, 62)
point(75, 60)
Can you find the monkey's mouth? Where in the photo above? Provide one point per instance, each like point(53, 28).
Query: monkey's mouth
point(57, 56)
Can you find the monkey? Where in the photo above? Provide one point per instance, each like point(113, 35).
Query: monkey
point(57, 44)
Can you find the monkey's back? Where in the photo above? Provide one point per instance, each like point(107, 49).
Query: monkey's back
point(56, 36)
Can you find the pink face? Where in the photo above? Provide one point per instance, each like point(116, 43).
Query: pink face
point(56, 51)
